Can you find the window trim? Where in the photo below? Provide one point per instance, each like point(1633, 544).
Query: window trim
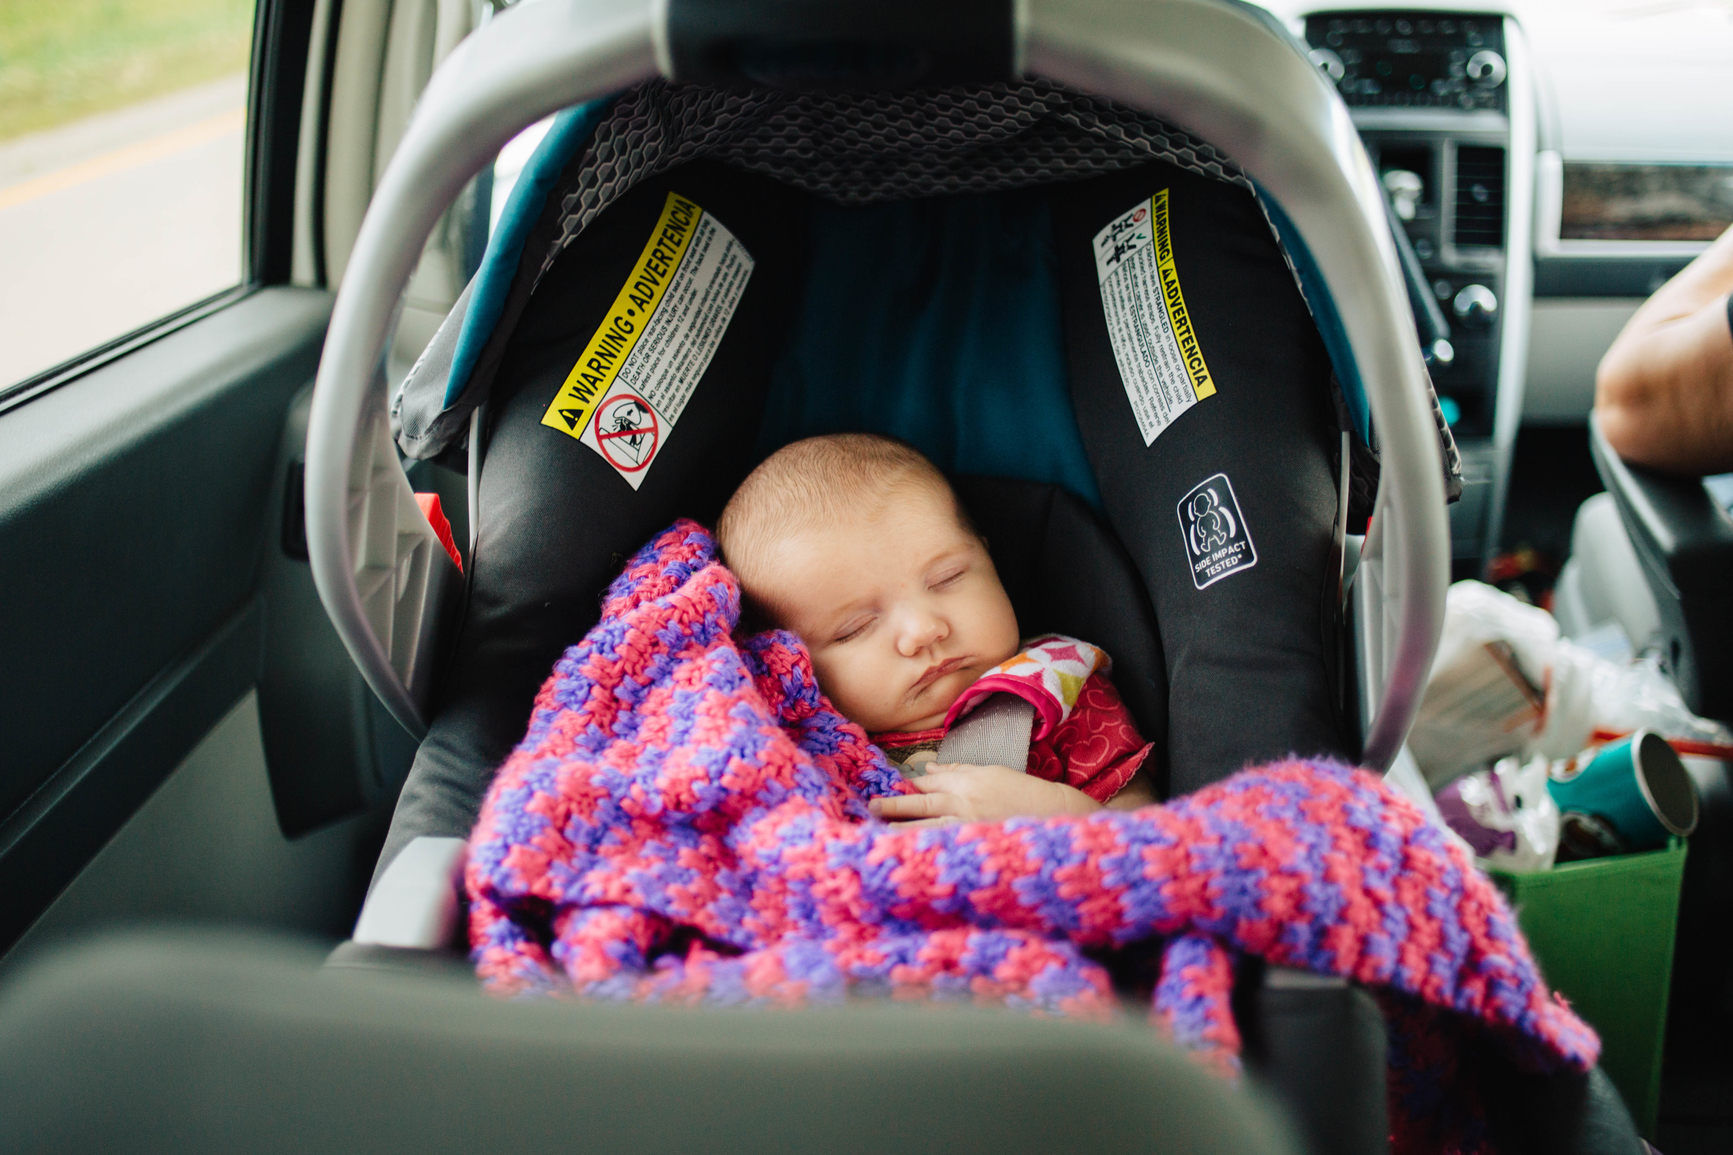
point(282, 45)
point(12, 396)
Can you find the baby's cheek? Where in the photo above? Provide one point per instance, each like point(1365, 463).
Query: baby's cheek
point(859, 691)
point(835, 681)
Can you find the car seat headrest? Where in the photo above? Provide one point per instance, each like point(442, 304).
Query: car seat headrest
point(850, 149)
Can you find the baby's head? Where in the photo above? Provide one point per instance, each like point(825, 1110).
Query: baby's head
point(857, 544)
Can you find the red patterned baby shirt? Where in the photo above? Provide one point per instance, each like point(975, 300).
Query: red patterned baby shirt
point(1096, 748)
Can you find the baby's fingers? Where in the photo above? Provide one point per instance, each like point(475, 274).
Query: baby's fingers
point(897, 807)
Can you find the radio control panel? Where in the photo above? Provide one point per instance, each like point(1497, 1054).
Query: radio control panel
point(1412, 59)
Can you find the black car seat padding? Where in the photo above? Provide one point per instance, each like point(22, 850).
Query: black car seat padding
point(1042, 538)
point(556, 520)
point(1218, 677)
point(1251, 651)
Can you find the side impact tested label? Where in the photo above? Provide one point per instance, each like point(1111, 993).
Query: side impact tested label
point(1217, 541)
point(635, 376)
point(1153, 340)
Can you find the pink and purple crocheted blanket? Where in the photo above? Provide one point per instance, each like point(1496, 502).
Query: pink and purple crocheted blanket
point(686, 820)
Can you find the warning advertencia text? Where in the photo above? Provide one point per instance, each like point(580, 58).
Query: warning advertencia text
point(1160, 359)
point(632, 381)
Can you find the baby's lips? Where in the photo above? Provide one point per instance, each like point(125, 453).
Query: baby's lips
point(944, 670)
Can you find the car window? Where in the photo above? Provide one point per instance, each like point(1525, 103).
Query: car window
point(122, 125)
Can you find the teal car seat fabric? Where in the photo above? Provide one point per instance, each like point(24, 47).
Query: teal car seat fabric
point(570, 131)
point(430, 410)
point(936, 321)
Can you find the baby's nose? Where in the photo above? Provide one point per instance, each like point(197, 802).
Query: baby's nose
point(921, 631)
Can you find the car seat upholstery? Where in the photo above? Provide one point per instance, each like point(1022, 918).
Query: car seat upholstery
point(1250, 662)
point(1253, 659)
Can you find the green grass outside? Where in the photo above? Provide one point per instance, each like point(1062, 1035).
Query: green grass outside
point(61, 60)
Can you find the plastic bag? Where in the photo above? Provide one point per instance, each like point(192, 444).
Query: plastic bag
point(1504, 682)
point(1638, 696)
point(1505, 814)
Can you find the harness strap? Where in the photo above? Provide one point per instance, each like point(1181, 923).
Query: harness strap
point(995, 733)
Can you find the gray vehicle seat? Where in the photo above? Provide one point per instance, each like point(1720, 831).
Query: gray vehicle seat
point(220, 1043)
point(1655, 553)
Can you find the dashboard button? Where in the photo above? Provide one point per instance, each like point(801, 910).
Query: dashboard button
point(1475, 304)
point(1328, 63)
point(1486, 68)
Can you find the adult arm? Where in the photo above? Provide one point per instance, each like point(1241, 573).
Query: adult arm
point(1664, 390)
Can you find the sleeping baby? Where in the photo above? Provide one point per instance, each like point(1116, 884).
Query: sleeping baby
point(857, 544)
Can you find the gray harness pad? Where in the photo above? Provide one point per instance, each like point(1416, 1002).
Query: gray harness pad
point(995, 733)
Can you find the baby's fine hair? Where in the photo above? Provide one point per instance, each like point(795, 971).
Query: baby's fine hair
point(824, 480)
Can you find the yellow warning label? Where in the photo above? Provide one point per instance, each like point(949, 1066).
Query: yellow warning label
point(1177, 316)
point(598, 366)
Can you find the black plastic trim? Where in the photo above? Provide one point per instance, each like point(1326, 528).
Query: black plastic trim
point(1603, 276)
point(60, 827)
point(282, 33)
point(333, 22)
point(1684, 542)
point(841, 45)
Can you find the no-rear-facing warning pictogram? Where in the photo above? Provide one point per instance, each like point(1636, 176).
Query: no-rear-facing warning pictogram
point(627, 432)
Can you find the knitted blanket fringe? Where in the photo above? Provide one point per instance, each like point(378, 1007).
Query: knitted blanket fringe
point(685, 820)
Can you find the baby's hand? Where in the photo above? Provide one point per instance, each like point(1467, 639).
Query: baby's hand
point(960, 793)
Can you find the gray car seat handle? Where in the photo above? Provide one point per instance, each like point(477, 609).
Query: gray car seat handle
point(1226, 71)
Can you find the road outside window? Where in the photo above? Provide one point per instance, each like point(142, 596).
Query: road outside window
point(121, 166)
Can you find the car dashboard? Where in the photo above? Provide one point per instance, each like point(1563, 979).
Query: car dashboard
point(1552, 164)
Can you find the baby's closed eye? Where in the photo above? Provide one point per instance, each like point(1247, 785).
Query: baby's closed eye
point(852, 629)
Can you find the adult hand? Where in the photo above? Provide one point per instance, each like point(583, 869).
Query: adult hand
point(956, 792)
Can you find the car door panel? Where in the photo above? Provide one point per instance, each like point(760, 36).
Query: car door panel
point(134, 506)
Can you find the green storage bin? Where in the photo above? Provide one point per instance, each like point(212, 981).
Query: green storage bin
point(1603, 932)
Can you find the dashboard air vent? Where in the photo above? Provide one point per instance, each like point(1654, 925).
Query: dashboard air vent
point(1480, 196)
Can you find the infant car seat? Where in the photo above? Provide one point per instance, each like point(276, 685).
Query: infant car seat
point(991, 329)
point(1185, 497)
